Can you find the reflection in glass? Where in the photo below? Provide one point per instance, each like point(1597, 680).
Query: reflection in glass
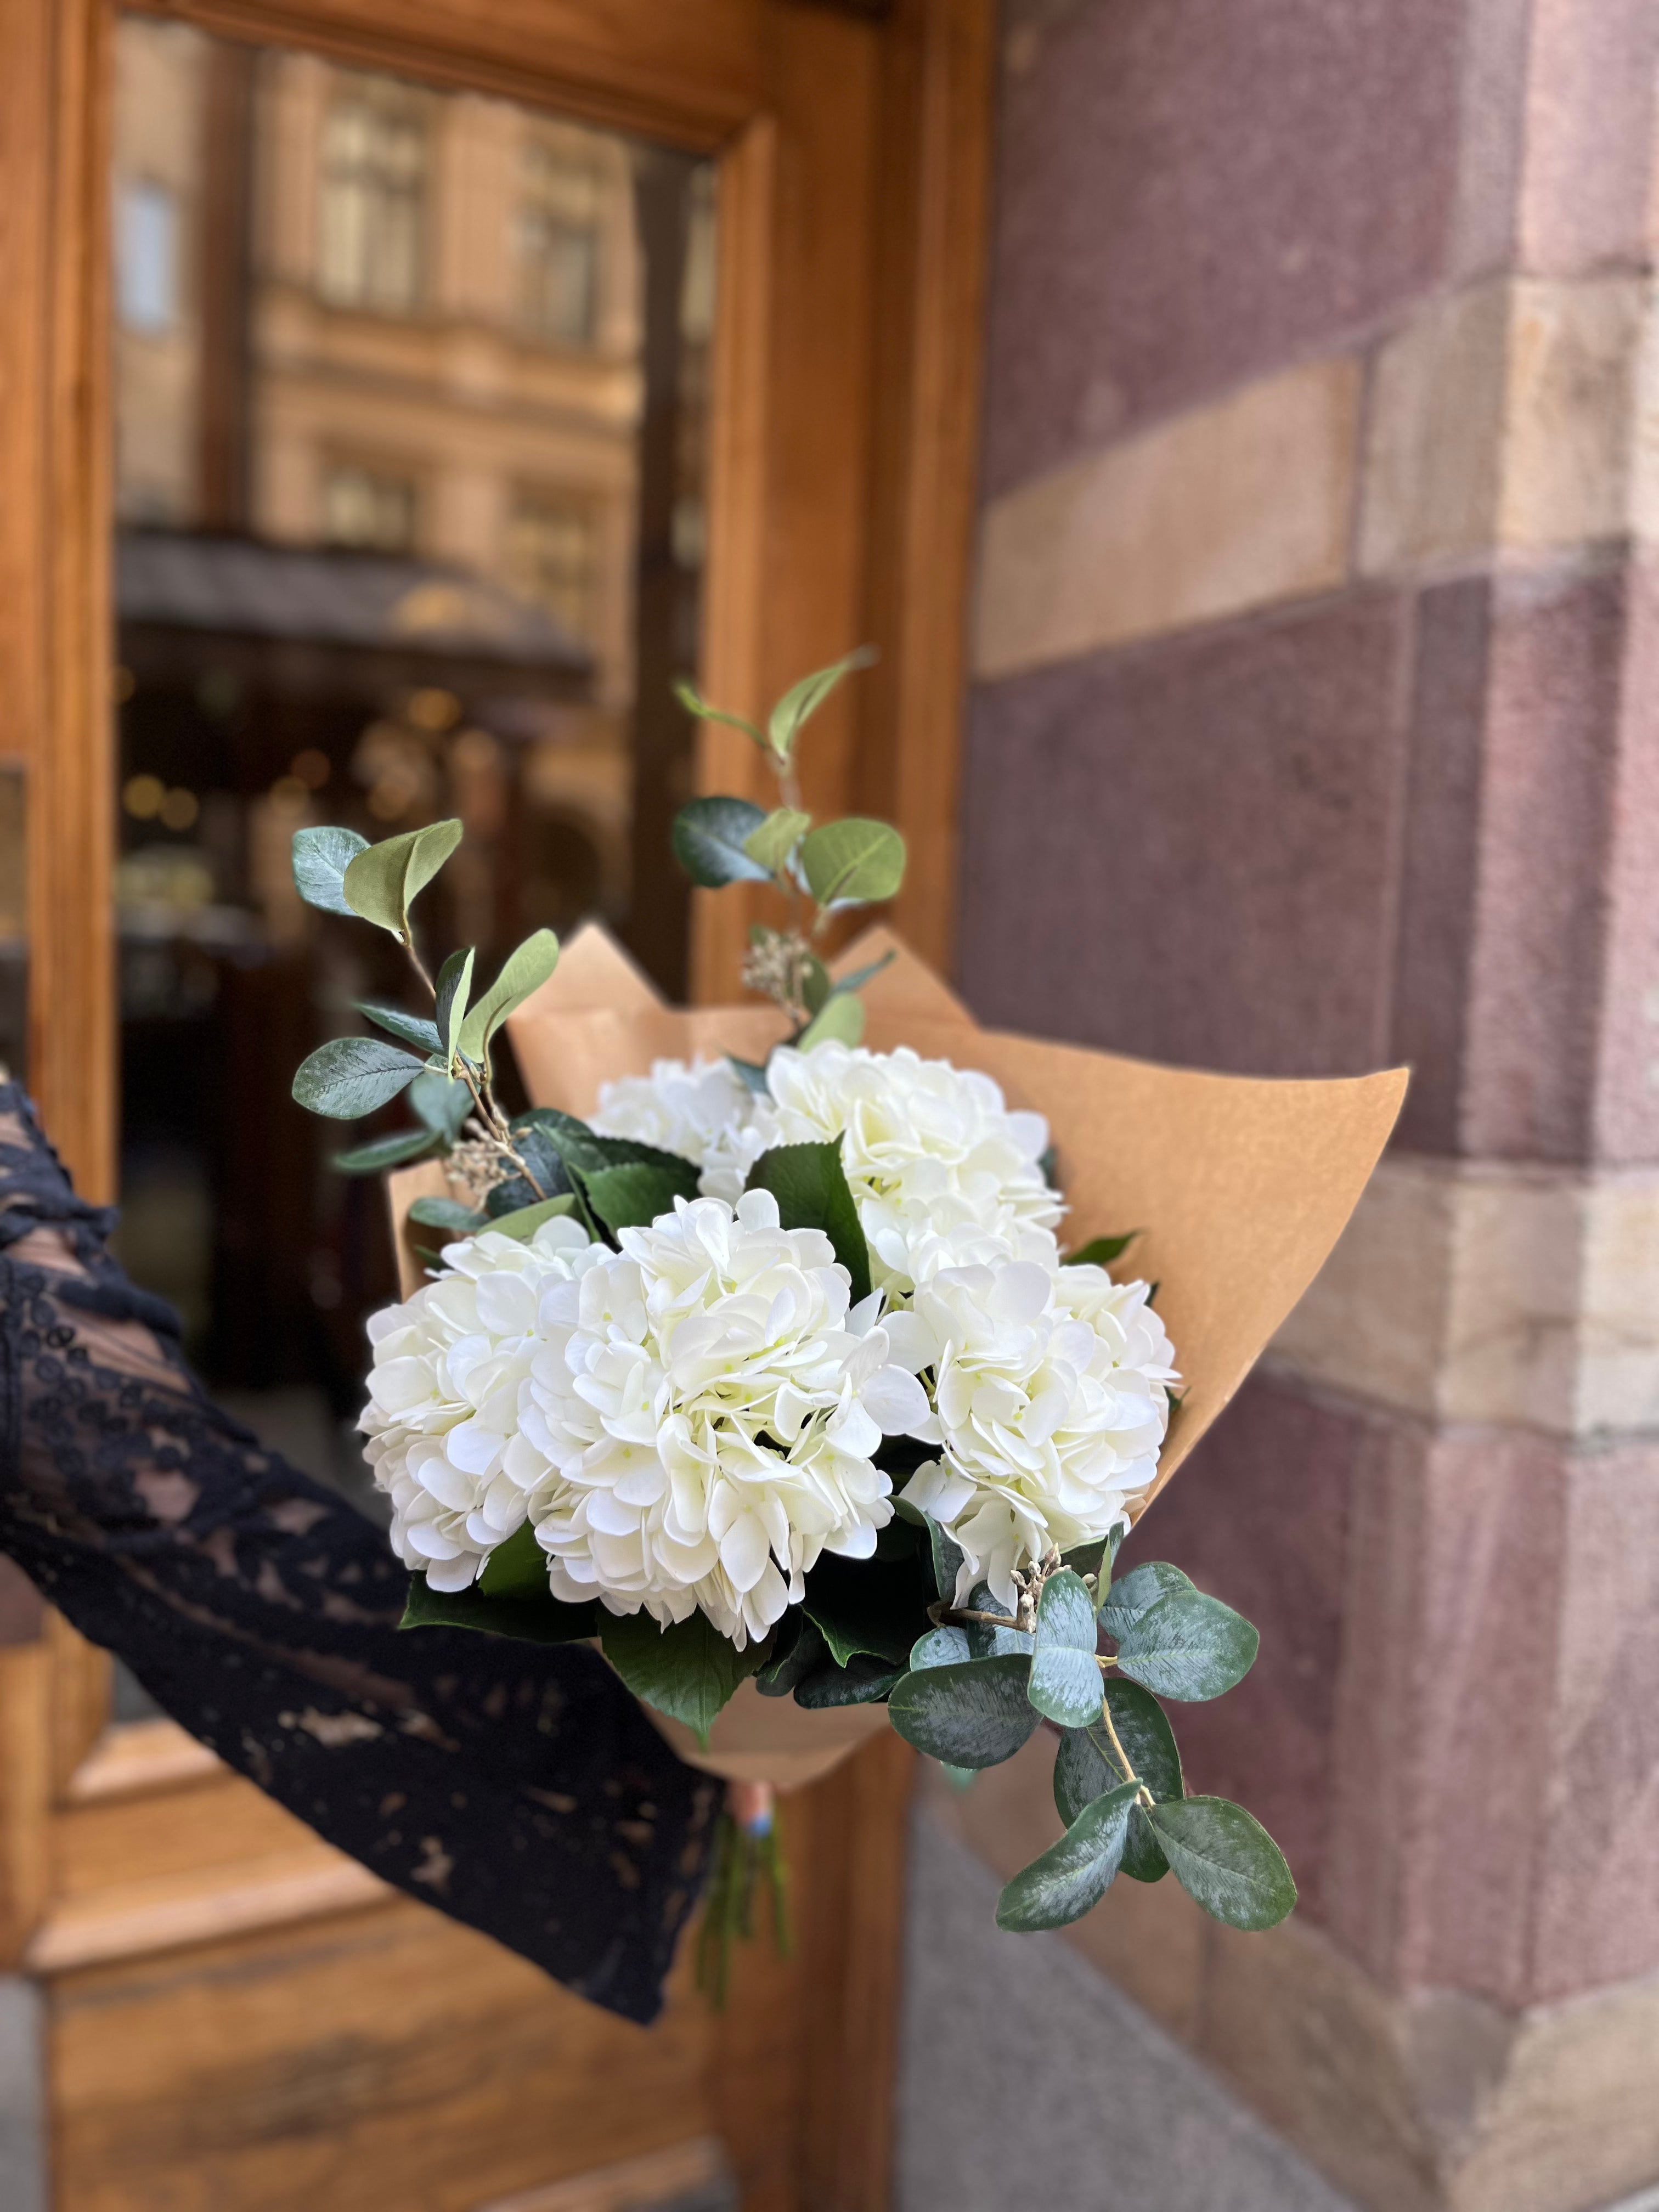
point(409, 389)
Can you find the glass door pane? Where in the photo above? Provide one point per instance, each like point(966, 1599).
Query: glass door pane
point(409, 388)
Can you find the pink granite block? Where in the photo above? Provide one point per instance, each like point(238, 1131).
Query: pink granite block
point(1597, 1758)
point(1186, 850)
point(1587, 195)
point(1549, 779)
point(1194, 191)
point(1627, 1105)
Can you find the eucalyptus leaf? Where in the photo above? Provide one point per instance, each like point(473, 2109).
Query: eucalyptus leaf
point(988, 1639)
point(750, 1072)
point(523, 971)
point(777, 837)
point(525, 1220)
point(384, 1153)
point(810, 1187)
point(384, 881)
point(688, 1671)
point(1066, 1678)
point(973, 1715)
point(694, 704)
point(1137, 1592)
point(839, 1020)
point(862, 1681)
point(454, 989)
point(352, 1076)
point(940, 1647)
point(542, 1620)
point(448, 1213)
point(1188, 1646)
point(709, 838)
point(817, 985)
point(946, 1555)
point(441, 1104)
point(853, 862)
point(1100, 1251)
point(632, 1196)
point(1225, 1860)
point(409, 1029)
point(1072, 1876)
point(321, 858)
point(860, 976)
point(1087, 1764)
point(802, 700)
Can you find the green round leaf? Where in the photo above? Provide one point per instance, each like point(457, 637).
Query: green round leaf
point(352, 1076)
point(1188, 1646)
point(1072, 1876)
point(1225, 1859)
point(1137, 1592)
point(777, 837)
point(321, 858)
point(940, 1647)
point(855, 862)
point(448, 1213)
point(709, 837)
point(442, 1104)
point(839, 1020)
point(976, 1715)
point(1065, 1682)
point(383, 882)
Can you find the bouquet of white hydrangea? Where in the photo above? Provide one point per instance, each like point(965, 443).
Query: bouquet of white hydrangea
point(786, 1379)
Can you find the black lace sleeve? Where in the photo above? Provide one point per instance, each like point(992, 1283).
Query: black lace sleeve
point(515, 1786)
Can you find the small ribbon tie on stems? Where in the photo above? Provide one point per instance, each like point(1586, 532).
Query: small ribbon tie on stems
point(747, 1844)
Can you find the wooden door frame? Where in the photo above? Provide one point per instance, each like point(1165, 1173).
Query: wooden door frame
point(754, 82)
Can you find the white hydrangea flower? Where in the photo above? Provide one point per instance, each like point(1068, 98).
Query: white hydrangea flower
point(443, 1395)
point(927, 1149)
point(1050, 1397)
point(699, 1422)
point(705, 1112)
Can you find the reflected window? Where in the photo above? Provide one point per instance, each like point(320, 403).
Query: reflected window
point(146, 258)
point(368, 508)
point(373, 199)
point(558, 245)
point(550, 558)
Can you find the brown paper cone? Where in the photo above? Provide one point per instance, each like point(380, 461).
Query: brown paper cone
point(1239, 1187)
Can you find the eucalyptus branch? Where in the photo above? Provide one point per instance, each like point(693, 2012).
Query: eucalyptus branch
point(1145, 1796)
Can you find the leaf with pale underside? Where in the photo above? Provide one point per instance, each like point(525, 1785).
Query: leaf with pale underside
point(384, 881)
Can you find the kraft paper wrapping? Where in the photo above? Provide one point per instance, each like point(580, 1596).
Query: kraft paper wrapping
point(1240, 1187)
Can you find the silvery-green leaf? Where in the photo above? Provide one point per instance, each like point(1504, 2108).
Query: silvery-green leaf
point(1065, 1682)
point(384, 1153)
point(946, 1554)
point(777, 837)
point(321, 858)
point(524, 971)
point(384, 881)
point(974, 1715)
point(988, 1639)
point(855, 862)
point(352, 1076)
point(441, 1104)
point(448, 1213)
point(1188, 1646)
point(1072, 1876)
point(409, 1029)
point(1224, 1858)
point(709, 837)
point(940, 1647)
point(1137, 1592)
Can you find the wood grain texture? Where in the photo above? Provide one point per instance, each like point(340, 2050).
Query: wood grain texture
point(25, 1795)
point(689, 73)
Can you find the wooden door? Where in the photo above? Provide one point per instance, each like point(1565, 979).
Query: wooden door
point(232, 2014)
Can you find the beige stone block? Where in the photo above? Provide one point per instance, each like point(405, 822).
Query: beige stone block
point(1230, 507)
point(1434, 445)
point(1522, 414)
point(1481, 1292)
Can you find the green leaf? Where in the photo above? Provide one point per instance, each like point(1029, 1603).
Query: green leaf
point(441, 1104)
point(1094, 1558)
point(448, 1213)
point(688, 1671)
point(408, 1028)
point(542, 1620)
point(352, 1076)
point(1086, 1765)
point(973, 1715)
point(633, 1195)
point(798, 1651)
point(709, 838)
point(384, 881)
point(986, 1639)
point(862, 1681)
point(523, 971)
point(321, 858)
point(1137, 1592)
point(517, 1568)
point(750, 1072)
point(940, 1647)
point(946, 1555)
point(454, 988)
point(525, 1220)
point(384, 1153)
point(1065, 1680)
point(839, 1020)
point(874, 1606)
point(818, 987)
point(855, 862)
point(573, 1141)
point(1100, 1251)
point(1225, 1859)
point(694, 704)
point(810, 1189)
point(1188, 1646)
point(802, 700)
point(777, 838)
point(1072, 1876)
point(860, 976)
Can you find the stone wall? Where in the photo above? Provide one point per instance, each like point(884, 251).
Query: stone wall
point(1313, 729)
